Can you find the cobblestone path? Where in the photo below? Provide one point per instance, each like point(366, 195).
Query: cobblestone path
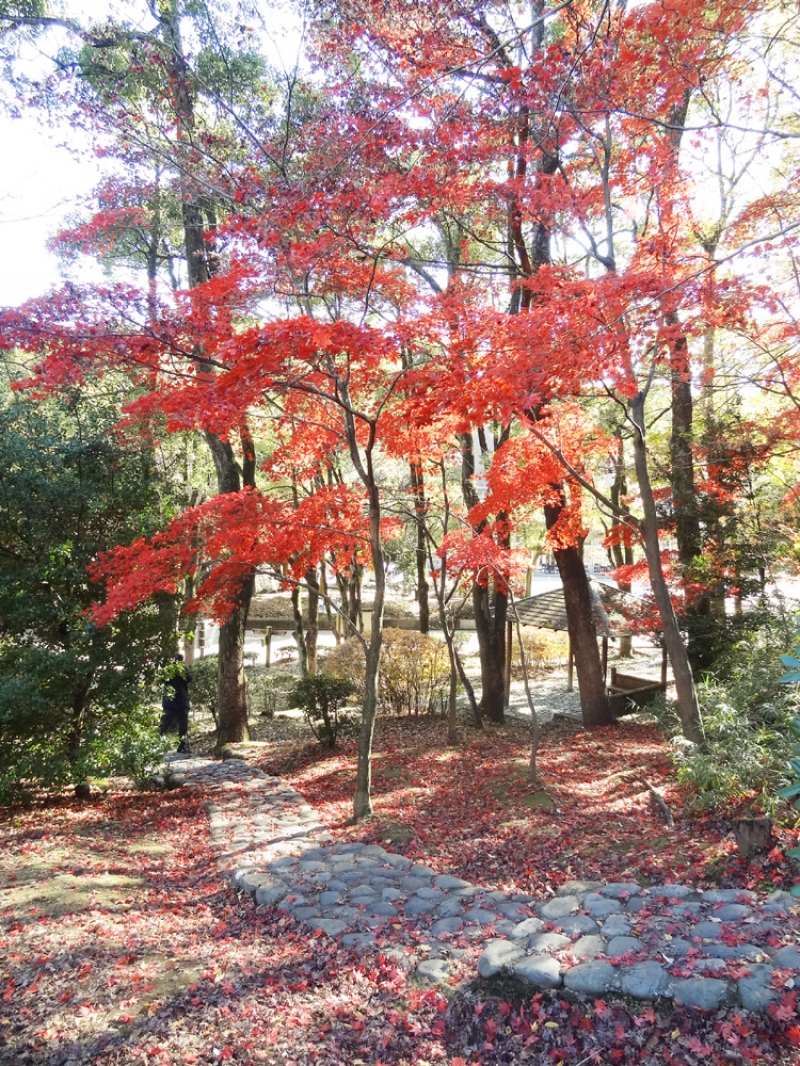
point(702, 949)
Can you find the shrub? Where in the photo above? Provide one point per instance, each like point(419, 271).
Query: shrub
point(414, 672)
point(203, 689)
point(347, 660)
point(74, 696)
point(746, 723)
point(322, 698)
point(267, 692)
point(128, 745)
point(413, 676)
point(792, 789)
point(545, 650)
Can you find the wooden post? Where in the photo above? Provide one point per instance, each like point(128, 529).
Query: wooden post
point(267, 642)
point(664, 665)
point(570, 668)
point(605, 659)
point(753, 836)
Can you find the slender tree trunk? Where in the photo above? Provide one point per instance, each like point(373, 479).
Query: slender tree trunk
point(688, 533)
point(490, 604)
point(475, 713)
point(362, 801)
point(420, 510)
point(333, 619)
point(312, 631)
point(350, 592)
point(78, 707)
point(684, 499)
point(688, 706)
point(456, 666)
point(299, 634)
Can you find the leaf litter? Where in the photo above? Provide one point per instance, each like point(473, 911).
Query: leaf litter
point(121, 944)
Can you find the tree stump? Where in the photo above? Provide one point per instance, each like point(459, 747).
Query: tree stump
point(753, 836)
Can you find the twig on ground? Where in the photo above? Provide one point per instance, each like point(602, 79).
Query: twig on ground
point(659, 802)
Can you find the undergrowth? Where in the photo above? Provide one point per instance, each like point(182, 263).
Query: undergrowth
point(747, 741)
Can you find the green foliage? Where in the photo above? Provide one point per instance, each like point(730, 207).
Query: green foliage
point(267, 692)
point(746, 715)
point(414, 671)
point(792, 789)
point(71, 693)
point(323, 698)
point(203, 692)
point(122, 740)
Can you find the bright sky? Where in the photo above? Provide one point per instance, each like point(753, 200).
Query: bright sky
point(40, 183)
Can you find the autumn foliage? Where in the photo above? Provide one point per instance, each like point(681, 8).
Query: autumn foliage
point(483, 249)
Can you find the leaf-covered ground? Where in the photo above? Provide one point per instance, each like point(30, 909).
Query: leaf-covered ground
point(470, 810)
point(119, 943)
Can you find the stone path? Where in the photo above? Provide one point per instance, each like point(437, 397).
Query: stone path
point(702, 949)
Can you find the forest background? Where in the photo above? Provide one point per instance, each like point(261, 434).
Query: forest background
point(460, 286)
point(432, 290)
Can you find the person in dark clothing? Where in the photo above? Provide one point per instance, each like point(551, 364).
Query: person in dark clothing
point(175, 704)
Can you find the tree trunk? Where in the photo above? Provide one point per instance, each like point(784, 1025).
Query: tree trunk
point(78, 706)
point(350, 593)
point(362, 801)
point(490, 628)
point(595, 710)
point(312, 631)
point(420, 509)
point(688, 706)
point(232, 726)
point(688, 533)
point(697, 611)
point(299, 635)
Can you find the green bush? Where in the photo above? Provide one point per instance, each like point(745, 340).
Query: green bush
point(746, 723)
point(77, 699)
point(203, 688)
point(322, 698)
point(267, 692)
point(125, 744)
point(414, 671)
point(792, 789)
